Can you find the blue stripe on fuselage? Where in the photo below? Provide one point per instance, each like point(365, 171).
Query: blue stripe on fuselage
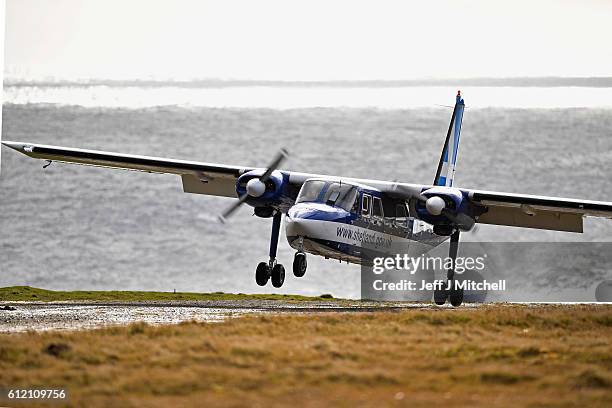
point(322, 212)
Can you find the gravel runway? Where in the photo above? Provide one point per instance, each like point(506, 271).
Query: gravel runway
point(83, 315)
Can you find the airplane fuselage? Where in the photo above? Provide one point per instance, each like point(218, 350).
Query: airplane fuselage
point(353, 223)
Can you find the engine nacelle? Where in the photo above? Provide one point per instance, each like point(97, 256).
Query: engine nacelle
point(439, 199)
point(264, 196)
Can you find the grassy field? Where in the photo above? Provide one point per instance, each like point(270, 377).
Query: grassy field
point(27, 293)
point(498, 355)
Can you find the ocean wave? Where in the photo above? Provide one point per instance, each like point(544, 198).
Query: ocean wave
point(278, 97)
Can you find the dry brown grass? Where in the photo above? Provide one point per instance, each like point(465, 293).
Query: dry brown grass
point(494, 355)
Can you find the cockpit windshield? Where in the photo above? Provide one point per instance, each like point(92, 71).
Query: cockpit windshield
point(341, 195)
point(331, 193)
point(311, 190)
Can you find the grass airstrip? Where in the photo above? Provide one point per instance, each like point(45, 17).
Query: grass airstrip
point(493, 355)
point(28, 293)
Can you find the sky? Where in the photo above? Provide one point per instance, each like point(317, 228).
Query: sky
point(306, 40)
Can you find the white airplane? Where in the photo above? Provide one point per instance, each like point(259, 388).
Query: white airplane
point(347, 218)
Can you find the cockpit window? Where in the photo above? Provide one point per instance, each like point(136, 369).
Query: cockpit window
point(336, 194)
point(341, 195)
point(310, 191)
point(332, 196)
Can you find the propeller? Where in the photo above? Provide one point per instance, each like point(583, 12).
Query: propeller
point(256, 187)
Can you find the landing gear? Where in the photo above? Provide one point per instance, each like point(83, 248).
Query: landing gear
point(453, 294)
point(299, 264)
point(456, 297)
point(275, 272)
point(272, 270)
point(440, 296)
point(262, 274)
point(278, 275)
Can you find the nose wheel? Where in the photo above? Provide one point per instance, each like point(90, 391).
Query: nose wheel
point(299, 264)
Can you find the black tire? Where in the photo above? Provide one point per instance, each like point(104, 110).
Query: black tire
point(456, 297)
point(440, 296)
point(262, 274)
point(278, 275)
point(299, 264)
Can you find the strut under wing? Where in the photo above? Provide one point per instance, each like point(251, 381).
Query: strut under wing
point(197, 177)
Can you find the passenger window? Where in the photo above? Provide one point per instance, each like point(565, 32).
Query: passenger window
point(365, 205)
point(377, 210)
point(401, 215)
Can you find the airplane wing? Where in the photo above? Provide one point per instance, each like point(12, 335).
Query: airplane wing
point(529, 211)
point(197, 177)
point(518, 210)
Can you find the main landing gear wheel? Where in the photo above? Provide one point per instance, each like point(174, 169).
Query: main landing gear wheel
point(278, 275)
point(299, 264)
point(456, 296)
point(440, 296)
point(262, 274)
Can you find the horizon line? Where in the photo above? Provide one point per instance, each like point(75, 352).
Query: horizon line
point(521, 81)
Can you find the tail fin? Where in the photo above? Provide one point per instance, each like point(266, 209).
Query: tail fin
point(448, 160)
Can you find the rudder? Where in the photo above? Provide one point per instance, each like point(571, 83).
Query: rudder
point(448, 160)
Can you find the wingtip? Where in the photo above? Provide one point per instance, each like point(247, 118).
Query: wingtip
point(19, 146)
point(8, 143)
